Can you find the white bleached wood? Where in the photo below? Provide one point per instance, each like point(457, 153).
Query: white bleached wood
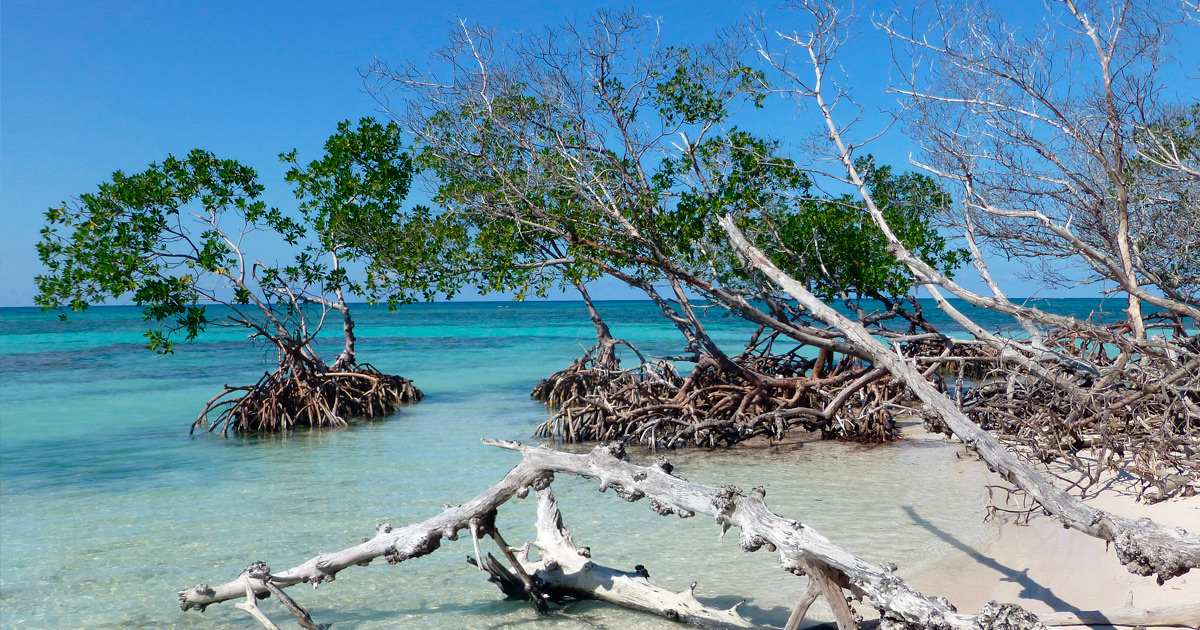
point(901, 606)
point(564, 569)
point(394, 544)
point(251, 606)
point(1143, 546)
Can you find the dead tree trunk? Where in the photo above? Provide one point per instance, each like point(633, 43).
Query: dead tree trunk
point(1143, 546)
point(562, 571)
point(565, 570)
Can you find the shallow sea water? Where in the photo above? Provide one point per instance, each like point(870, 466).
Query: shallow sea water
point(108, 507)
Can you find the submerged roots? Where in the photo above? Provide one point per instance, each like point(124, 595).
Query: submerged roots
point(592, 404)
point(290, 398)
point(759, 394)
point(1105, 404)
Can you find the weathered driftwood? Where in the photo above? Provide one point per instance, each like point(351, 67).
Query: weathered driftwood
point(1143, 546)
point(800, 548)
point(563, 570)
point(394, 544)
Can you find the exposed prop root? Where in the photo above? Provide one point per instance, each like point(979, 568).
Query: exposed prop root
point(1107, 403)
point(578, 383)
point(767, 393)
point(307, 396)
point(1138, 413)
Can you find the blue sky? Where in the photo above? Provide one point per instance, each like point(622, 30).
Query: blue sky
point(87, 88)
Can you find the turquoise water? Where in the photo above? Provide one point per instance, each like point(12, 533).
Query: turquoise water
point(108, 507)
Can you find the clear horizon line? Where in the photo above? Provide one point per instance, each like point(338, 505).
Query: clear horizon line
point(546, 299)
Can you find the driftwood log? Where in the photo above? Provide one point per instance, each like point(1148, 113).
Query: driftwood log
point(564, 570)
point(1143, 546)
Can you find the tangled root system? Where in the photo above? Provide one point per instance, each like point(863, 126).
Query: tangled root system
point(1138, 414)
point(299, 397)
point(593, 404)
point(760, 393)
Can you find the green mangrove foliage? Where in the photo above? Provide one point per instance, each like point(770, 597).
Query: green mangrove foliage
point(594, 150)
point(1165, 178)
point(173, 239)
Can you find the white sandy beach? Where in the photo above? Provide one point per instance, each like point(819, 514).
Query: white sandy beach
point(1044, 567)
point(1041, 566)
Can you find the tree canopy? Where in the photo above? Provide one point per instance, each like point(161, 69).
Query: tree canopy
point(592, 150)
point(174, 237)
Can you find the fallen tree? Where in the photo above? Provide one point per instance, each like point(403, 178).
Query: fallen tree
point(564, 570)
point(1090, 174)
point(1143, 546)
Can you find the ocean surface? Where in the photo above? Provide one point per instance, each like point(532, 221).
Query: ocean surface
point(108, 507)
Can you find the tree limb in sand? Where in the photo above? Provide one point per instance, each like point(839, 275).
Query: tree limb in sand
point(565, 570)
point(1143, 546)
